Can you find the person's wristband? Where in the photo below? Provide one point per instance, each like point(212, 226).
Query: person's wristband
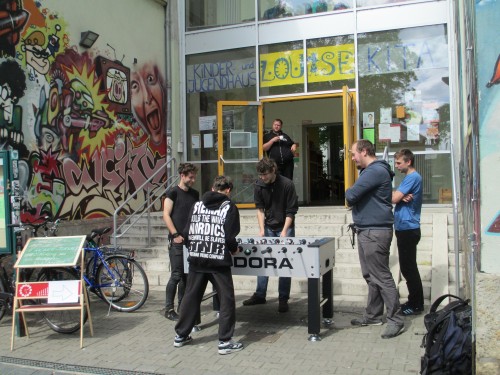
point(175, 235)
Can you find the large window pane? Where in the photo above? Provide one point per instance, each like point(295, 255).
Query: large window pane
point(271, 9)
point(405, 100)
point(330, 63)
point(210, 77)
point(404, 93)
point(281, 68)
point(369, 3)
point(204, 14)
point(436, 177)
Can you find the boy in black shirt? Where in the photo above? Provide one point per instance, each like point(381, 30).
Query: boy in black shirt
point(178, 202)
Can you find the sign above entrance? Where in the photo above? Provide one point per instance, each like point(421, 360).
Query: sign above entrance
point(220, 75)
point(324, 64)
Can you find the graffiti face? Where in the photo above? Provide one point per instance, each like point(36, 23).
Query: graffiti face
point(148, 101)
point(49, 140)
point(116, 80)
point(37, 58)
point(6, 101)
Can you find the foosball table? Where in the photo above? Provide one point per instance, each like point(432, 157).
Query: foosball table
point(308, 257)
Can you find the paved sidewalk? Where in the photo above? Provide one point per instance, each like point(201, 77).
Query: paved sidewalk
point(142, 342)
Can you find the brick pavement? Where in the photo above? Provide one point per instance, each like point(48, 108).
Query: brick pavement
point(142, 342)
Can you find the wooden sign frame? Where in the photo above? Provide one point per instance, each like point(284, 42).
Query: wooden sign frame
point(50, 252)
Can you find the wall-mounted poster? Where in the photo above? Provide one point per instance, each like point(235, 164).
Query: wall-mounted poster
point(385, 115)
point(208, 140)
point(207, 123)
point(368, 120)
point(228, 120)
point(369, 134)
point(413, 132)
point(195, 141)
point(390, 132)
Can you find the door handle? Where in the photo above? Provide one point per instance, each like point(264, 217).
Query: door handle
point(341, 153)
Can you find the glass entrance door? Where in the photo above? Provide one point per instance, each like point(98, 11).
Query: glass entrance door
point(239, 139)
point(349, 119)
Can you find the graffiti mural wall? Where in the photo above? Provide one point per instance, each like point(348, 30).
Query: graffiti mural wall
point(88, 129)
point(488, 76)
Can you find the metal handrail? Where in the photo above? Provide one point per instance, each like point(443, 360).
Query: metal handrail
point(456, 234)
point(159, 191)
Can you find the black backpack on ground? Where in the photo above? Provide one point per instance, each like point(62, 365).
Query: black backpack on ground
point(448, 341)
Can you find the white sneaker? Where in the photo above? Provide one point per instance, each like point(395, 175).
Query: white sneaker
point(228, 347)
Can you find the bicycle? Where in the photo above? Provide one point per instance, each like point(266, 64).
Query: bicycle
point(7, 289)
point(116, 278)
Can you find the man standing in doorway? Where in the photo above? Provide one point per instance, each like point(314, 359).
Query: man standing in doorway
point(277, 204)
point(280, 147)
point(408, 200)
point(177, 204)
point(370, 199)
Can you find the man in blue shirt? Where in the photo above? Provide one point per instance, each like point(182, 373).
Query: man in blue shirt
point(408, 200)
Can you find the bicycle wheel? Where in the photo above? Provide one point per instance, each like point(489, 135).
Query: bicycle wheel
point(63, 321)
point(122, 283)
point(3, 303)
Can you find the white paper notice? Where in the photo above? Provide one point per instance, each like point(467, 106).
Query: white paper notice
point(208, 140)
point(195, 141)
point(207, 123)
point(390, 132)
point(412, 133)
point(66, 291)
point(385, 115)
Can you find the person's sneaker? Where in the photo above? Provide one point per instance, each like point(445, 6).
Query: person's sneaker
point(172, 315)
point(180, 341)
point(254, 300)
point(228, 347)
point(283, 306)
point(407, 309)
point(392, 330)
point(365, 322)
point(195, 329)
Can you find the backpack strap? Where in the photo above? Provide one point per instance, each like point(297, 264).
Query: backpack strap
point(437, 302)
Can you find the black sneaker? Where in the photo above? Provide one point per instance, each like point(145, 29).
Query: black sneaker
point(407, 309)
point(228, 347)
point(283, 306)
point(180, 341)
point(172, 315)
point(393, 330)
point(254, 300)
point(365, 322)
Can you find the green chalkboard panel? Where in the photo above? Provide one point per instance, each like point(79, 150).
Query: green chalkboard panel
point(51, 252)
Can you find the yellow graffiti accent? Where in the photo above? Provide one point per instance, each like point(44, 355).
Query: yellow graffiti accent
point(324, 64)
point(105, 135)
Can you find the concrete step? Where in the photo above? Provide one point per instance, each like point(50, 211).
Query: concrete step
point(310, 222)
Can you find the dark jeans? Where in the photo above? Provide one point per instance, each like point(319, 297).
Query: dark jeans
point(177, 275)
point(286, 170)
point(407, 241)
point(195, 289)
point(284, 283)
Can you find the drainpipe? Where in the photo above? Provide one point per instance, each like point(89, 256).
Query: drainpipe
point(168, 78)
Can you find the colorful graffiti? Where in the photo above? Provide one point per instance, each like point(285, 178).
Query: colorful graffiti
point(89, 131)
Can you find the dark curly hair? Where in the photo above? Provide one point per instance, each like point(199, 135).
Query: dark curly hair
point(13, 75)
